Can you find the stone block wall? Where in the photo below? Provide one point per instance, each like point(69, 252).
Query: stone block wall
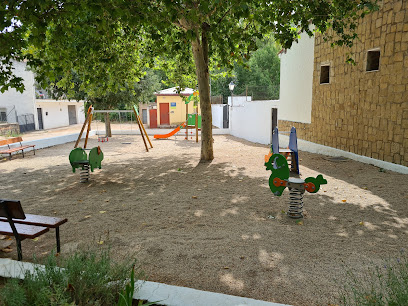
point(7, 129)
point(364, 112)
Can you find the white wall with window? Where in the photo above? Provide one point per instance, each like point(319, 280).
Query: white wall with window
point(32, 113)
point(14, 103)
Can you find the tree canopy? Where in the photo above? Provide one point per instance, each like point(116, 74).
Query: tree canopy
point(109, 42)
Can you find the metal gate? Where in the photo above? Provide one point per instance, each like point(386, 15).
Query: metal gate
point(26, 122)
point(40, 119)
point(144, 116)
point(72, 114)
point(225, 117)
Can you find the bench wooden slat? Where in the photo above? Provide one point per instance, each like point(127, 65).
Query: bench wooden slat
point(38, 220)
point(11, 150)
point(24, 230)
point(16, 148)
point(10, 141)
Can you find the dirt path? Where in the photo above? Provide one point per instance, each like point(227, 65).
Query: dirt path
point(207, 226)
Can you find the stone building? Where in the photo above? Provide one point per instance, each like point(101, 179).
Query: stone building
point(361, 108)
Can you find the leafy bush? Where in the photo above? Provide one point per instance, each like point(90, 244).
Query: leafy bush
point(85, 278)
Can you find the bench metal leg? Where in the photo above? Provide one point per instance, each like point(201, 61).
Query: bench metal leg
point(19, 251)
point(22, 152)
point(58, 239)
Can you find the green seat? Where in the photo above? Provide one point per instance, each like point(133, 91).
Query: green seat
point(95, 158)
point(78, 158)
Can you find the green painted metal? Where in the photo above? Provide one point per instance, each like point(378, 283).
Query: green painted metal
point(280, 169)
point(135, 108)
point(278, 164)
point(95, 158)
point(191, 120)
point(77, 155)
point(319, 180)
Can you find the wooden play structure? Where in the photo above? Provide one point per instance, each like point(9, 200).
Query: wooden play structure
point(78, 157)
point(279, 180)
point(90, 115)
point(193, 121)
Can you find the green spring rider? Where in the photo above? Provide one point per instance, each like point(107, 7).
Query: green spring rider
point(279, 180)
point(79, 159)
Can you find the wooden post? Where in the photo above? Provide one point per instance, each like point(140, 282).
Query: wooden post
point(83, 126)
point(196, 125)
point(187, 121)
point(87, 131)
point(139, 123)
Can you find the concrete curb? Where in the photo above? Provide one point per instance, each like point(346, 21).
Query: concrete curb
point(52, 141)
point(151, 291)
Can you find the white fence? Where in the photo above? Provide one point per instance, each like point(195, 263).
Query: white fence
point(252, 120)
point(217, 115)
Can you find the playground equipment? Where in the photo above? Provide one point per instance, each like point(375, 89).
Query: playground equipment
point(177, 129)
point(279, 180)
point(79, 159)
point(90, 115)
point(290, 153)
point(192, 120)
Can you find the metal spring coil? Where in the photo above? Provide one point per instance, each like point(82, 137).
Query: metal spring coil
point(84, 175)
point(295, 203)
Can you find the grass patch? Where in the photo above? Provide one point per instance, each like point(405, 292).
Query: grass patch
point(386, 284)
point(87, 277)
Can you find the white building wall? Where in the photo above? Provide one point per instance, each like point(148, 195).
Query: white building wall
point(252, 120)
point(296, 81)
point(23, 102)
point(217, 111)
point(55, 113)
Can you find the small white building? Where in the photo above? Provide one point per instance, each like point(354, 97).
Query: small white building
point(32, 111)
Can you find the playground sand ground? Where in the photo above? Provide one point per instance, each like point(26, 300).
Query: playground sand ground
point(216, 226)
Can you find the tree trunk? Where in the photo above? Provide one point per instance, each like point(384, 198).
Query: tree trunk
point(108, 130)
point(200, 53)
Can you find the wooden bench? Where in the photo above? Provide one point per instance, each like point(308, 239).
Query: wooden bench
point(13, 221)
point(14, 148)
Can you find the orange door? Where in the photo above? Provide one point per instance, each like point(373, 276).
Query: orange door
point(153, 118)
point(164, 114)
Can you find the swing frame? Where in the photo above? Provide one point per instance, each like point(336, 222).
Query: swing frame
point(92, 111)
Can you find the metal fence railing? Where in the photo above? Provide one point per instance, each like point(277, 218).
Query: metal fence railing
point(261, 92)
point(216, 99)
point(26, 122)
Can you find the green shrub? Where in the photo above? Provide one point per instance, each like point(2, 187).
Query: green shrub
point(381, 285)
point(84, 278)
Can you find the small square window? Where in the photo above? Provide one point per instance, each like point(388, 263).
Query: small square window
point(373, 60)
point(325, 74)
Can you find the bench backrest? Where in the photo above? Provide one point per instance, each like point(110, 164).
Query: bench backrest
point(10, 141)
point(275, 141)
point(11, 208)
point(293, 140)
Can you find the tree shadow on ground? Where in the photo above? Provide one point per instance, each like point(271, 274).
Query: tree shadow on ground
point(212, 226)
